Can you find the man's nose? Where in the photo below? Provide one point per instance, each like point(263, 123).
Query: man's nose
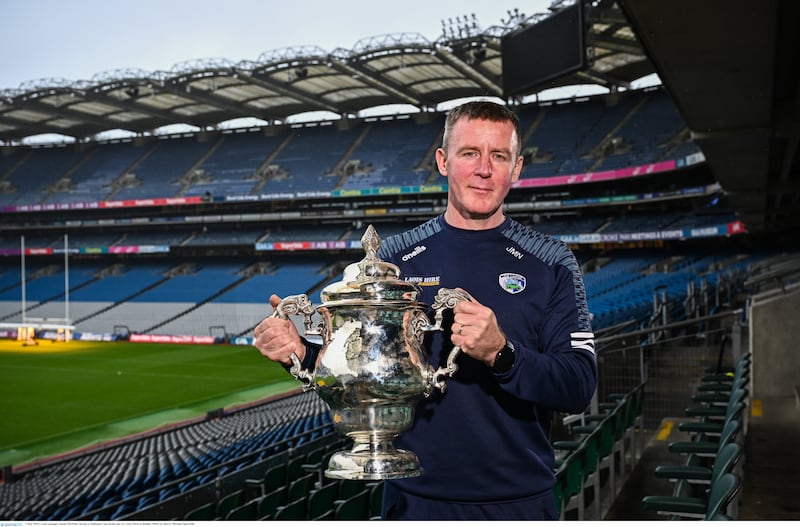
point(484, 168)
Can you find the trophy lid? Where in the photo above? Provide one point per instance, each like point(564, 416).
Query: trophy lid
point(371, 279)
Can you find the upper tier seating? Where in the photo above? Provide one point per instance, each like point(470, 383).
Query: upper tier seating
point(158, 174)
point(39, 171)
point(289, 233)
point(643, 222)
point(94, 178)
point(391, 153)
point(307, 161)
point(645, 137)
point(233, 165)
point(567, 134)
point(226, 235)
point(561, 138)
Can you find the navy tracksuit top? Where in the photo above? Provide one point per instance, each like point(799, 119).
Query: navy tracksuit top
point(486, 438)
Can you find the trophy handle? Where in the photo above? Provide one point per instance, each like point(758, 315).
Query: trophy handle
point(298, 305)
point(445, 299)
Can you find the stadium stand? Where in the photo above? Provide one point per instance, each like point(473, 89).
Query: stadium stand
point(26, 176)
point(556, 136)
point(96, 175)
point(233, 166)
point(309, 157)
point(206, 268)
point(159, 172)
point(392, 153)
point(190, 297)
point(112, 482)
point(679, 201)
point(589, 135)
point(646, 136)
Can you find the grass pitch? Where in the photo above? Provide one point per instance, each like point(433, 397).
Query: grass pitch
point(56, 397)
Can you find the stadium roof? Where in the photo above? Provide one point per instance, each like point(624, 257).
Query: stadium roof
point(732, 69)
point(391, 69)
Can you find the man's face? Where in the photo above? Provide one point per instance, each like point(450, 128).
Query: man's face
point(480, 165)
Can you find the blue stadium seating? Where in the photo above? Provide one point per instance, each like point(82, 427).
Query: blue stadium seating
point(116, 287)
point(159, 171)
point(231, 168)
point(381, 152)
point(647, 134)
point(393, 151)
point(207, 281)
point(97, 172)
point(309, 158)
point(39, 170)
point(138, 473)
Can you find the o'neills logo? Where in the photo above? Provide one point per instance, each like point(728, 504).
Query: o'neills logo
point(417, 250)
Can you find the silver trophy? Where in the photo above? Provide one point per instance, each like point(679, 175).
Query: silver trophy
point(372, 370)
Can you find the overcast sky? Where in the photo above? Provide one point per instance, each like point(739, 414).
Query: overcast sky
point(75, 40)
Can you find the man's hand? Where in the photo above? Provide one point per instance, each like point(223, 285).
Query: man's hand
point(476, 331)
point(277, 338)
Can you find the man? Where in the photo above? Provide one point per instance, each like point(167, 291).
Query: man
point(526, 340)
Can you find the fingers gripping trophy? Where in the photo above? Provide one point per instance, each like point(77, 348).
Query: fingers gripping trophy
point(372, 369)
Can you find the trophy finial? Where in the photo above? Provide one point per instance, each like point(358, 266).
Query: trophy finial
point(371, 242)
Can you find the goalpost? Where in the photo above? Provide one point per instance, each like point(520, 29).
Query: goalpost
point(26, 329)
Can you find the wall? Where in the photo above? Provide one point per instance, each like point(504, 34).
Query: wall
point(773, 342)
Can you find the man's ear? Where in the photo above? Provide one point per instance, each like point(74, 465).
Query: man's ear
point(441, 161)
point(517, 169)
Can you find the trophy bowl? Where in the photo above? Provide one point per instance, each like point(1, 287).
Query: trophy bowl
point(371, 369)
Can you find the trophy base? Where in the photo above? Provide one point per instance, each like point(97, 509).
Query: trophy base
point(373, 462)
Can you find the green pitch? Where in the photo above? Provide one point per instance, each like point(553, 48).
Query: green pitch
point(56, 397)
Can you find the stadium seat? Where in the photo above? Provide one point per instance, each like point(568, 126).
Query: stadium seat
point(376, 500)
point(246, 511)
point(583, 471)
point(569, 474)
point(229, 502)
point(696, 473)
point(270, 502)
point(720, 495)
point(301, 486)
point(294, 510)
point(611, 431)
point(706, 446)
point(356, 507)
point(710, 428)
point(274, 478)
point(321, 500)
point(205, 512)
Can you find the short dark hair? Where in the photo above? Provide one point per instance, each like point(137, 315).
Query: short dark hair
point(483, 110)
